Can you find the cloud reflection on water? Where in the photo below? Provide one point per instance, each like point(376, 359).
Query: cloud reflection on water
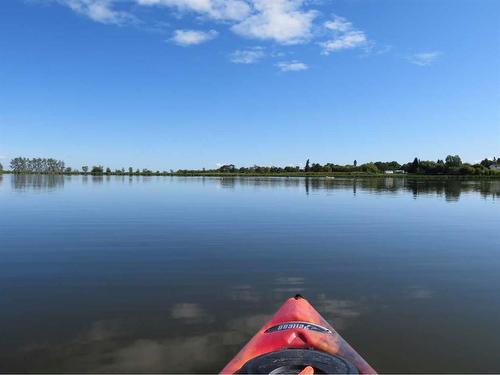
point(420, 293)
point(244, 293)
point(108, 346)
point(339, 312)
point(118, 346)
point(188, 311)
point(290, 285)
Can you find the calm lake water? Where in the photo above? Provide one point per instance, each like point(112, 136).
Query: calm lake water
point(171, 274)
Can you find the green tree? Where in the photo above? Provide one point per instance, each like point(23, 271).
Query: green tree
point(414, 166)
point(97, 169)
point(370, 168)
point(1, 167)
point(316, 167)
point(466, 169)
point(18, 165)
point(453, 161)
point(480, 169)
point(355, 163)
point(307, 168)
point(130, 170)
point(85, 169)
point(440, 167)
point(427, 167)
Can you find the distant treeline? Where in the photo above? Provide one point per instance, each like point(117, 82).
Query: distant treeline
point(451, 165)
point(37, 165)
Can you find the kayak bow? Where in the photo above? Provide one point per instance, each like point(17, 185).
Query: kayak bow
point(297, 340)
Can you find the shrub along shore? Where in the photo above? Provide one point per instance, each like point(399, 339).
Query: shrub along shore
point(451, 167)
point(282, 175)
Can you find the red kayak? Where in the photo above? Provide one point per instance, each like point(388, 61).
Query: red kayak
point(297, 340)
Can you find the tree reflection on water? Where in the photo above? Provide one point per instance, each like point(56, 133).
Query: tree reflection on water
point(450, 189)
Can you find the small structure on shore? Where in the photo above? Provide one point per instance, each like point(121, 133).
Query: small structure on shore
point(394, 171)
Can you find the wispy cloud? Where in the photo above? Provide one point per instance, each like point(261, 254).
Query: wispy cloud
point(225, 10)
point(344, 36)
point(292, 66)
point(99, 10)
point(280, 22)
point(424, 58)
point(285, 22)
point(338, 24)
point(248, 56)
point(192, 37)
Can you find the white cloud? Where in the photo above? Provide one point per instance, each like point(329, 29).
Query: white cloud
point(234, 10)
point(338, 24)
point(291, 66)
point(424, 58)
point(192, 37)
point(345, 36)
point(248, 56)
point(283, 21)
point(98, 10)
point(351, 39)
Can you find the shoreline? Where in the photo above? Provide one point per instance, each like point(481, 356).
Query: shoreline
point(282, 175)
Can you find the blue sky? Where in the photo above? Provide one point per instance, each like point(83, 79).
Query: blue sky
point(193, 83)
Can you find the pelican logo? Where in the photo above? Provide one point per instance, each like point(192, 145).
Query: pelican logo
point(298, 325)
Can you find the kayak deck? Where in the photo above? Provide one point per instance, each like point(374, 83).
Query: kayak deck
point(297, 340)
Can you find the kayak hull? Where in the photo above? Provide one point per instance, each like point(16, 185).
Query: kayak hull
point(297, 326)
